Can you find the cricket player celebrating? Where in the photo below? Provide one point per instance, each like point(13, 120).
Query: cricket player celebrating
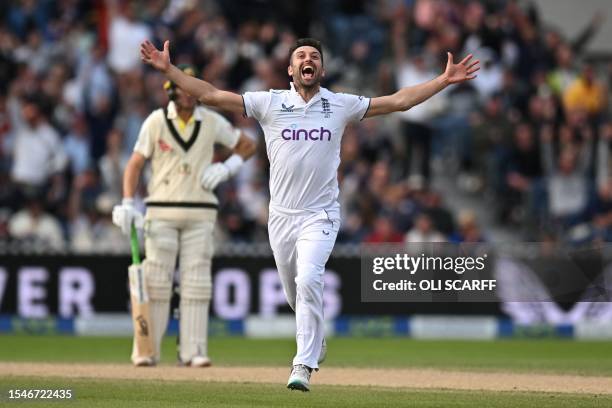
point(303, 127)
point(181, 212)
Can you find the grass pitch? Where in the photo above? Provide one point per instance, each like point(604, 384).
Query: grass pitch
point(524, 356)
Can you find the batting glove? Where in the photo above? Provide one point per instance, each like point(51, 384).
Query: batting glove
point(220, 172)
point(125, 214)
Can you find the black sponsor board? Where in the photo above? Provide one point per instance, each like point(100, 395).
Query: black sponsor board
point(43, 285)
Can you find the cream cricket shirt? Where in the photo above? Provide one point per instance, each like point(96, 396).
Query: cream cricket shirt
point(303, 144)
point(178, 153)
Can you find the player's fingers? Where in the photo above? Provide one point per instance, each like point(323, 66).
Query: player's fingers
point(471, 71)
point(206, 180)
point(450, 57)
point(471, 77)
point(466, 59)
point(214, 183)
point(147, 45)
point(474, 63)
point(145, 52)
point(166, 47)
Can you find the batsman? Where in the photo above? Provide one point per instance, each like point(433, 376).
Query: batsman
point(181, 210)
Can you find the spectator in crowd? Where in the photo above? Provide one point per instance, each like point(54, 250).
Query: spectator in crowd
point(565, 72)
point(586, 94)
point(567, 181)
point(383, 232)
point(604, 161)
point(38, 156)
point(90, 220)
point(374, 143)
point(112, 164)
point(77, 146)
point(489, 80)
point(468, 229)
point(491, 133)
point(431, 204)
point(424, 231)
point(32, 224)
point(416, 122)
point(602, 213)
point(238, 228)
point(5, 130)
point(99, 99)
point(126, 34)
point(523, 173)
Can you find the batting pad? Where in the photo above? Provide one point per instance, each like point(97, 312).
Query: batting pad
point(159, 287)
point(195, 299)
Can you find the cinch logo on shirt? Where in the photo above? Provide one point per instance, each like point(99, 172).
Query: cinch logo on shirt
point(312, 134)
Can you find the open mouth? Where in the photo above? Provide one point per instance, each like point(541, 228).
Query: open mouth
point(308, 72)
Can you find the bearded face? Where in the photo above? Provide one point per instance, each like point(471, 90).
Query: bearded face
point(306, 67)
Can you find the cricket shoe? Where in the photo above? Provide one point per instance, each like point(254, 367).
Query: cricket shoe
point(143, 361)
point(200, 361)
point(323, 353)
point(197, 361)
point(299, 378)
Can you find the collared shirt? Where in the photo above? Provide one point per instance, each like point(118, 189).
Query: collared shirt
point(303, 143)
point(38, 154)
point(178, 121)
point(178, 159)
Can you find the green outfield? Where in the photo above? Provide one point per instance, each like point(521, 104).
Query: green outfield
point(133, 394)
point(547, 356)
point(508, 356)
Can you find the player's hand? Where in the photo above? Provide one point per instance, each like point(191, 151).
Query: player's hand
point(463, 71)
point(159, 60)
point(125, 213)
point(213, 175)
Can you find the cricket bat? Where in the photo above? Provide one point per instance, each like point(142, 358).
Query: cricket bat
point(143, 342)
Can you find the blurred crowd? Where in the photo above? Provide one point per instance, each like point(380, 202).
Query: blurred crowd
point(530, 137)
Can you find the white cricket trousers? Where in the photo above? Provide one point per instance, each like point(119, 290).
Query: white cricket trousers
point(301, 243)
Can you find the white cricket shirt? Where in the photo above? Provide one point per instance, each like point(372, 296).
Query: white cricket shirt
point(303, 143)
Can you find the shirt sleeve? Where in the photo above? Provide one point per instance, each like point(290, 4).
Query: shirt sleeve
point(355, 106)
point(256, 104)
point(225, 133)
point(146, 140)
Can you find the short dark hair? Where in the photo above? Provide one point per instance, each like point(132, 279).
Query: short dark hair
point(40, 101)
point(311, 42)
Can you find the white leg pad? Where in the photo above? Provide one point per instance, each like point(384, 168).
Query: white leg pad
point(159, 285)
point(196, 288)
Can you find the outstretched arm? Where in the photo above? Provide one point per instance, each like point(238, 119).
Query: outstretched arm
point(204, 91)
point(410, 96)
